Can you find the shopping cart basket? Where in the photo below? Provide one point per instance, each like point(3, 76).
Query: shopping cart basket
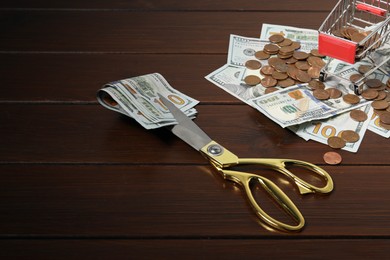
point(347, 18)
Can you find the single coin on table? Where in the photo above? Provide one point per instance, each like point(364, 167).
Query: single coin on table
point(332, 158)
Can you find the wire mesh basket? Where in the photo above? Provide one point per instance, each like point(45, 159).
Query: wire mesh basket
point(352, 31)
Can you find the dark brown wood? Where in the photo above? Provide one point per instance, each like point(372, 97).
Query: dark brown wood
point(75, 77)
point(151, 201)
point(197, 249)
point(92, 134)
point(177, 5)
point(138, 32)
point(77, 180)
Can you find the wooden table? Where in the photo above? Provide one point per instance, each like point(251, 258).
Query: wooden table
point(77, 180)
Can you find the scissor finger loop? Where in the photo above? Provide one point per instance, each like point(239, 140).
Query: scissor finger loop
point(304, 187)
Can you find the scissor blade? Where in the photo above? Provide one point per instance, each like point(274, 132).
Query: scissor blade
point(187, 130)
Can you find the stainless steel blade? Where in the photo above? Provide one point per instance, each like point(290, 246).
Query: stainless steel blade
point(186, 129)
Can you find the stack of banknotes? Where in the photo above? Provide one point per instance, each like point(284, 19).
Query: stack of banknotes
point(309, 118)
point(137, 98)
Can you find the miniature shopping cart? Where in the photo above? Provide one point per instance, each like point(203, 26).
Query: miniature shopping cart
point(349, 16)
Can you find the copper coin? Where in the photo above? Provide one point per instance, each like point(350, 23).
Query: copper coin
point(358, 36)
point(316, 84)
point(385, 126)
point(332, 158)
point(286, 82)
point(380, 104)
point(351, 99)
point(276, 38)
point(302, 65)
point(281, 67)
point(274, 60)
point(350, 136)
point(261, 55)
point(252, 80)
point(284, 56)
point(267, 70)
point(337, 32)
point(293, 72)
point(303, 76)
point(334, 93)
point(355, 77)
point(321, 94)
point(285, 42)
point(300, 55)
point(270, 90)
point(314, 72)
point(381, 95)
point(316, 61)
point(379, 112)
point(253, 64)
point(271, 48)
point(373, 83)
point(279, 75)
point(316, 53)
point(268, 82)
point(336, 142)
point(358, 115)
point(385, 117)
point(364, 69)
point(292, 60)
point(286, 50)
point(370, 94)
point(296, 45)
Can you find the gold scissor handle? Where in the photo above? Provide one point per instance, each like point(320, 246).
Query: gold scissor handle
point(222, 158)
point(303, 186)
point(246, 179)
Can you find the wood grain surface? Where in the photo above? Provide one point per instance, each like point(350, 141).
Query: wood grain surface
point(79, 181)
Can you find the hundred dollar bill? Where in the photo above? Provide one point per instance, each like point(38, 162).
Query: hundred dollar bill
point(229, 78)
point(307, 37)
point(137, 97)
point(297, 105)
point(375, 127)
point(242, 49)
point(320, 131)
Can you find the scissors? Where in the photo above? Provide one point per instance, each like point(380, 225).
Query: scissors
point(222, 159)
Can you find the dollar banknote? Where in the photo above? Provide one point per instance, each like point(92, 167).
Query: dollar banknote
point(321, 130)
point(137, 98)
point(230, 79)
point(346, 70)
point(297, 105)
point(307, 37)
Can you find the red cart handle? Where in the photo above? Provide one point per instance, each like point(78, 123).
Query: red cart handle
point(371, 9)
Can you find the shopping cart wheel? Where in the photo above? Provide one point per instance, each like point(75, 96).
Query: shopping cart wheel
point(322, 76)
point(357, 89)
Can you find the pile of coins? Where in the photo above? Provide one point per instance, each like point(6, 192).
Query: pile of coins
point(355, 35)
point(287, 66)
point(378, 92)
point(351, 33)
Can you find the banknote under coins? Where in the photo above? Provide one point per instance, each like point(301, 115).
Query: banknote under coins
point(308, 117)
